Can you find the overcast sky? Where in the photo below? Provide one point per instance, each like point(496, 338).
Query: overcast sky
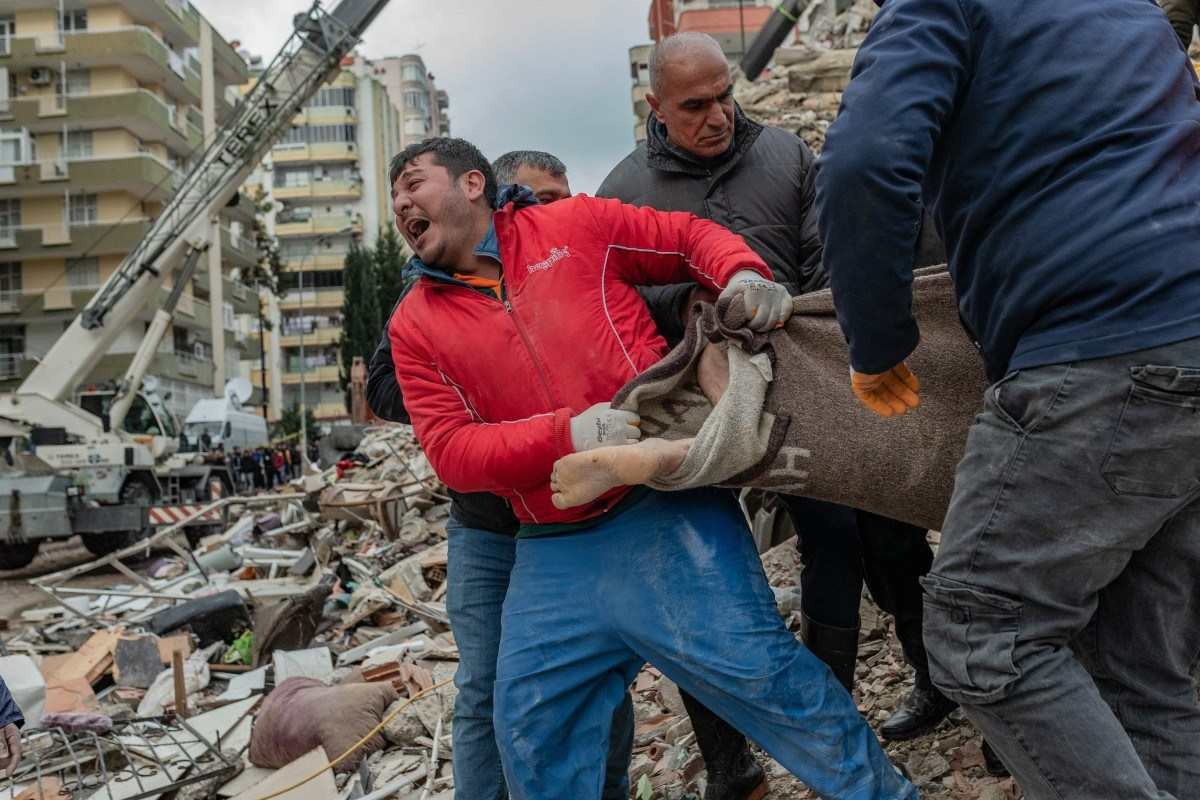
point(521, 74)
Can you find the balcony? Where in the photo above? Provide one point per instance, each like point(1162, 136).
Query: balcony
point(325, 115)
point(321, 190)
point(312, 337)
point(139, 111)
point(136, 49)
point(330, 411)
point(313, 300)
point(317, 261)
point(237, 250)
point(140, 174)
point(314, 374)
point(330, 151)
point(62, 241)
point(318, 225)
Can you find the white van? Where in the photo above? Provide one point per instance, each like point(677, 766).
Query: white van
point(225, 421)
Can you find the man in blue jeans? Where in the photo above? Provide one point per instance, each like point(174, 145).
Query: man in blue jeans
point(481, 534)
point(1058, 146)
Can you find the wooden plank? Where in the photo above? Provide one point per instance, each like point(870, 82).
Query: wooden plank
point(91, 662)
point(180, 684)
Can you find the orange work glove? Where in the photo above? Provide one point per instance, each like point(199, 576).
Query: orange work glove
point(888, 394)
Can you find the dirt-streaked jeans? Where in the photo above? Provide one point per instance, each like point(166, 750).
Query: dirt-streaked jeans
point(1063, 609)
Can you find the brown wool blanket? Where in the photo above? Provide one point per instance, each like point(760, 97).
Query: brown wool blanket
point(790, 423)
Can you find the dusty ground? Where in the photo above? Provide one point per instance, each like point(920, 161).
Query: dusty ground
point(16, 595)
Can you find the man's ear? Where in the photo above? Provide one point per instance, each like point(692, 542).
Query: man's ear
point(655, 106)
point(472, 183)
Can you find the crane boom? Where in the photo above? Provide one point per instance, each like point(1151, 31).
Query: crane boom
point(310, 56)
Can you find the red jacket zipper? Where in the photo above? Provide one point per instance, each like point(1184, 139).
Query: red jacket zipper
point(537, 363)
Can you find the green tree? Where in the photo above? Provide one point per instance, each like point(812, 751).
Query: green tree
point(289, 422)
point(390, 256)
point(362, 317)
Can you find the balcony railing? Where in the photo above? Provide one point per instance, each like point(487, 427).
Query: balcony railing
point(10, 365)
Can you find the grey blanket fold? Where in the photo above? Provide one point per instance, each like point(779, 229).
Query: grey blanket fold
point(790, 423)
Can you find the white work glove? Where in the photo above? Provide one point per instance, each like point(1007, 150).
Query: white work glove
point(10, 749)
point(603, 426)
point(768, 304)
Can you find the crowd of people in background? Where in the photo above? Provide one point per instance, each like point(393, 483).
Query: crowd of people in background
point(256, 468)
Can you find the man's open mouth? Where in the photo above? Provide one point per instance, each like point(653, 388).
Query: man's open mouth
point(416, 226)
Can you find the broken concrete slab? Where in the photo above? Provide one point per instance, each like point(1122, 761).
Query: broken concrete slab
point(320, 788)
point(315, 663)
point(244, 685)
point(136, 661)
point(26, 684)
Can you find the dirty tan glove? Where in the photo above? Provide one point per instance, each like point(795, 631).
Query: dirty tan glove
point(768, 304)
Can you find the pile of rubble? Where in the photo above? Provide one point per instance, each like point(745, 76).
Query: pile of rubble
point(802, 89)
point(306, 640)
point(167, 671)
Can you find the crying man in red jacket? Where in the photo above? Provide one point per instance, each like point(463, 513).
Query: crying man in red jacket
point(523, 323)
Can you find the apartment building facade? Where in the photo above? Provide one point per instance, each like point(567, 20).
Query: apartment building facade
point(424, 109)
point(733, 23)
point(103, 105)
point(327, 180)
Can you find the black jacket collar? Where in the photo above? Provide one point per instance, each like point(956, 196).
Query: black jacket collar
point(662, 155)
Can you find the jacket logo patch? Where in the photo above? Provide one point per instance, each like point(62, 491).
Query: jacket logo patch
point(557, 254)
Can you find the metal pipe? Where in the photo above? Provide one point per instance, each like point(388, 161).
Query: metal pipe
point(778, 26)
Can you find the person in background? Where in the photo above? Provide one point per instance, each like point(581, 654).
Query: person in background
point(279, 465)
point(11, 722)
point(1056, 144)
point(481, 534)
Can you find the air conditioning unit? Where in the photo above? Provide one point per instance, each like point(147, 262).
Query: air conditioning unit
point(41, 76)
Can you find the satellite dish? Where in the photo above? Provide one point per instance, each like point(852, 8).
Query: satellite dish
point(239, 390)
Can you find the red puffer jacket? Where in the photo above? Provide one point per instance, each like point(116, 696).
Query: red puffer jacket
point(492, 386)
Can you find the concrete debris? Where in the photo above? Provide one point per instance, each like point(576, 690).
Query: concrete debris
point(350, 570)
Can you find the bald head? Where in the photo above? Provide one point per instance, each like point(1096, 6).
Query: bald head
point(683, 49)
point(691, 93)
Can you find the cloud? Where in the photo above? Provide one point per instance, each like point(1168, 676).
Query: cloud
point(541, 74)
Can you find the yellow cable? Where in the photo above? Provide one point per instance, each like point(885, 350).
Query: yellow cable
point(361, 741)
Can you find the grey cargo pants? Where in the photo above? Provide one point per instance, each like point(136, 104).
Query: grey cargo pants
point(1063, 609)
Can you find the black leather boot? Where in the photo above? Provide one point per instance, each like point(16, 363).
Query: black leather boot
point(837, 647)
point(919, 713)
point(732, 771)
point(925, 706)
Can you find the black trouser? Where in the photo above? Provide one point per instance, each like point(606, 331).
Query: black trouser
point(842, 547)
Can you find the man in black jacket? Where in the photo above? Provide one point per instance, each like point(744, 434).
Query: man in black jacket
point(703, 155)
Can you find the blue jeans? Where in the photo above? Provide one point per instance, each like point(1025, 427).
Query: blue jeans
point(478, 569)
point(675, 580)
point(1062, 610)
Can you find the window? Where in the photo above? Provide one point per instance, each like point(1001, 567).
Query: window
point(416, 99)
point(333, 96)
point(74, 21)
point(79, 82)
point(320, 134)
point(81, 209)
point(10, 282)
point(8, 29)
point(12, 349)
point(414, 126)
point(412, 72)
point(79, 144)
point(10, 219)
point(291, 177)
point(14, 147)
point(83, 273)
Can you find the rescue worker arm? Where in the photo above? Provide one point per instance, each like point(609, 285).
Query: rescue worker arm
point(468, 454)
point(658, 248)
point(383, 391)
point(903, 88)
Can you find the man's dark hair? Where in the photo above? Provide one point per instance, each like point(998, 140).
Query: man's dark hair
point(458, 156)
point(506, 166)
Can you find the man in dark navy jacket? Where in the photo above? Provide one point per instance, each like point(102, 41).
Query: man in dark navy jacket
point(1058, 145)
